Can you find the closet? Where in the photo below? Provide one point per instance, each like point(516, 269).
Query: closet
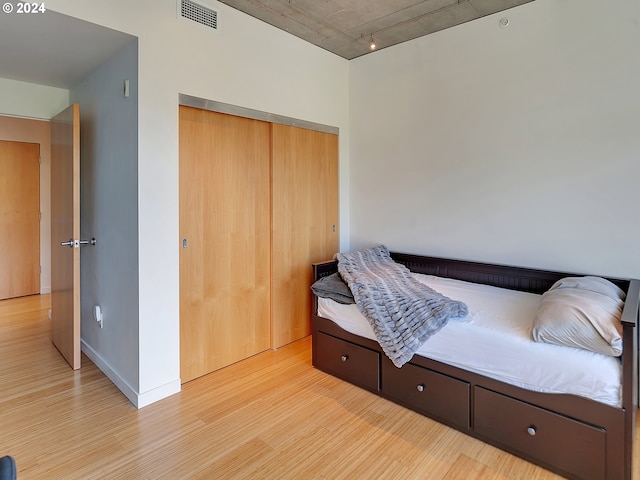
point(258, 205)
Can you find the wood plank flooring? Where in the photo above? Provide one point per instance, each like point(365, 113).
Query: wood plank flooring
point(272, 416)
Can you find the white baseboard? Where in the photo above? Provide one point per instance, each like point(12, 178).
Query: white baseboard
point(45, 290)
point(137, 399)
point(158, 393)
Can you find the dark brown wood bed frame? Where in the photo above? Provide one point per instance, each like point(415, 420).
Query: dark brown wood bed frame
point(570, 435)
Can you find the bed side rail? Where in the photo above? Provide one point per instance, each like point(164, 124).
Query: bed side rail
point(630, 401)
point(630, 314)
point(321, 269)
point(324, 269)
point(631, 304)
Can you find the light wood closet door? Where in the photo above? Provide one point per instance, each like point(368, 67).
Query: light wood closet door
point(19, 219)
point(305, 223)
point(225, 221)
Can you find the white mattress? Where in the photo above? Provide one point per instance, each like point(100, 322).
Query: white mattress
point(495, 340)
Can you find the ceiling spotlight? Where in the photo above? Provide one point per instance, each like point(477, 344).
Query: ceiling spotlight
point(372, 43)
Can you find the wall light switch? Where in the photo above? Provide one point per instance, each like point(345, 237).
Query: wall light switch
point(97, 314)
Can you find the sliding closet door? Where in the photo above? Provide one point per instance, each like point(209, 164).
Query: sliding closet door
point(225, 240)
point(305, 223)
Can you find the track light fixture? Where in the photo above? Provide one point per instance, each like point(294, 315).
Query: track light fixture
point(372, 43)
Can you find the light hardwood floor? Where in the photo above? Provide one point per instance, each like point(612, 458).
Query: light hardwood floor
point(272, 416)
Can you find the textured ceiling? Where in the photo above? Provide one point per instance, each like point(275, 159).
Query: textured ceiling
point(344, 27)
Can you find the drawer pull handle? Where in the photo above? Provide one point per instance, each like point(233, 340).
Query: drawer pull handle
point(531, 430)
point(344, 358)
point(420, 387)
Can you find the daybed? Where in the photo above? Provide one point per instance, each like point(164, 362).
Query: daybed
point(568, 433)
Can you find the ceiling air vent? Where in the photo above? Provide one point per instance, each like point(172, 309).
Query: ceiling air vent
point(198, 13)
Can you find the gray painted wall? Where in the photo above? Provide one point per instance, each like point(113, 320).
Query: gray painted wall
point(109, 212)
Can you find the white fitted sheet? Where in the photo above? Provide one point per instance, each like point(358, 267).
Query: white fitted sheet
point(495, 340)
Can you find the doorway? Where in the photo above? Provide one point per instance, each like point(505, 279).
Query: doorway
point(19, 219)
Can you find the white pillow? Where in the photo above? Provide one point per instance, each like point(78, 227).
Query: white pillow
point(594, 284)
point(582, 313)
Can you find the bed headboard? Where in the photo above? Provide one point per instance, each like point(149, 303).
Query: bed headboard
point(513, 278)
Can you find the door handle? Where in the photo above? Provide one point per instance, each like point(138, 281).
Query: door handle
point(78, 243)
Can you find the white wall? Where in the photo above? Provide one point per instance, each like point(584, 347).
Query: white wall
point(246, 63)
point(517, 145)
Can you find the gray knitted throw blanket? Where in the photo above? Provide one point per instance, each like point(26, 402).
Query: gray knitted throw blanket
point(403, 312)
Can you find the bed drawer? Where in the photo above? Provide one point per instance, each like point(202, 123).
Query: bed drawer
point(351, 362)
point(575, 447)
point(428, 392)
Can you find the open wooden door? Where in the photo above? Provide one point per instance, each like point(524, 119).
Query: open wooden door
point(65, 233)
